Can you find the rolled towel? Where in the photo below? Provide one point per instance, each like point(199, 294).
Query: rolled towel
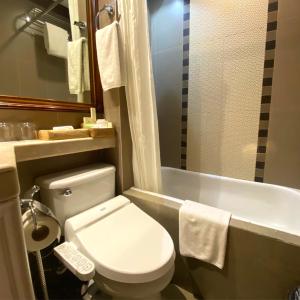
point(203, 232)
point(56, 40)
point(110, 58)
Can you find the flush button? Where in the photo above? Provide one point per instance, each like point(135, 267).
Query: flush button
point(67, 192)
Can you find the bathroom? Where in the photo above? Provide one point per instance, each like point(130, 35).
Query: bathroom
point(207, 116)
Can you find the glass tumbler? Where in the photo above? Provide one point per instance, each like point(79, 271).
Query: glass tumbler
point(6, 132)
point(26, 131)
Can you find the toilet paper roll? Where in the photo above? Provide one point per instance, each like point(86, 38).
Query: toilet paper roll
point(48, 230)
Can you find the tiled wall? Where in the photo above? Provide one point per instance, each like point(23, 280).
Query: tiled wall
point(185, 81)
point(266, 90)
point(226, 64)
point(282, 165)
point(166, 23)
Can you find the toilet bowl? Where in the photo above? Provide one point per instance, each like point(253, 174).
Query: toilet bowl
point(132, 253)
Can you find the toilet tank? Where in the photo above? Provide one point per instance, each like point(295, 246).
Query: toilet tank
point(70, 192)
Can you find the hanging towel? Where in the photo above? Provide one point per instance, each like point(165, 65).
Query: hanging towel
point(78, 66)
point(56, 40)
point(110, 58)
point(203, 232)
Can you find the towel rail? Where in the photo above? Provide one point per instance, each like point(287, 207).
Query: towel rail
point(39, 15)
point(109, 9)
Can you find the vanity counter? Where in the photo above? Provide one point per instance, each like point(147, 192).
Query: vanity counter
point(35, 149)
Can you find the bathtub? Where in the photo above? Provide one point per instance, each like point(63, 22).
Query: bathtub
point(263, 251)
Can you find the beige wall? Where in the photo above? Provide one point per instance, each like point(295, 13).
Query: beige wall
point(283, 150)
point(227, 48)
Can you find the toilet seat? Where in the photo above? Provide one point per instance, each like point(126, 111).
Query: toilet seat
point(126, 245)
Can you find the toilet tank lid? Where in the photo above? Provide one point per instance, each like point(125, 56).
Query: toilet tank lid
point(73, 177)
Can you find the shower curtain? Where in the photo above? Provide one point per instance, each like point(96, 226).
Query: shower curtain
point(140, 94)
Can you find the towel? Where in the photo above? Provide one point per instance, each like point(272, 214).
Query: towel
point(110, 58)
point(56, 40)
point(78, 66)
point(203, 232)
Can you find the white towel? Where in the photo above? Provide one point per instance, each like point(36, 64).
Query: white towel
point(203, 232)
point(78, 66)
point(110, 58)
point(56, 40)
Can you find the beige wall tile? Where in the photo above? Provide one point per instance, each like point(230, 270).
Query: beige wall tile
point(282, 158)
point(227, 50)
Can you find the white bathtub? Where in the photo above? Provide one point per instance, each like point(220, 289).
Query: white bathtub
point(266, 209)
point(263, 247)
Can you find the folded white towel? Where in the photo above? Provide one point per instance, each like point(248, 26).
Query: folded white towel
point(78, 66)
point(56, 40)
point(110, 58)
point(203, 232)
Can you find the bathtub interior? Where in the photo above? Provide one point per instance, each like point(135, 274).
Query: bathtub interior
point(264, 204)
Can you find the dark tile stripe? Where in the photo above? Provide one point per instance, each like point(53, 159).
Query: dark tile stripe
point(260, 164)
point(273, 6)
point(186, 47)
point(270, 45)
point(186, 32)
point(272, 26)
point(269, 63)
point(264, 116)
point(185, 76)
point(259, 179)
point(263, 133)
point(261, 149)
point(186, 16)
point(267, 81)
point(185, 62)
point(266, 99)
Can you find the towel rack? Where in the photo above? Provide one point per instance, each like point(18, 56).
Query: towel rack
point(108, 8)
point(35, 15)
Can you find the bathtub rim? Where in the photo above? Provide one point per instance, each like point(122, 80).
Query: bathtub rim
point(235, 221)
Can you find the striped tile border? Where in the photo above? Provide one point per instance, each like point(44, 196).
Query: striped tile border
point(266, 97)
point(185, 81)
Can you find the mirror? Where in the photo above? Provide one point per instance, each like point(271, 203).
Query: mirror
point(44, 52)
point(227, 87)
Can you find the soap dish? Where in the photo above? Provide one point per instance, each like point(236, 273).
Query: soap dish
point(63, 134)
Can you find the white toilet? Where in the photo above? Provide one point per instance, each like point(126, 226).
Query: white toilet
point(133, 254)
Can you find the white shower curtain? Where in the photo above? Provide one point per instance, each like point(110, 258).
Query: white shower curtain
point(140, 94)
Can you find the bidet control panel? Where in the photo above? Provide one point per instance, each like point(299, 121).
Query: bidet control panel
point(75, 261)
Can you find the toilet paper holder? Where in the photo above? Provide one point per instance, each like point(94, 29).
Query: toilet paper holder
point(31, 204)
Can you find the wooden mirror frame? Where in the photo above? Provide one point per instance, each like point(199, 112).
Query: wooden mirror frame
point(18, 102)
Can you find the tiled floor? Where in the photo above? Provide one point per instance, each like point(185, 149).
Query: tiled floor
point(172, 292)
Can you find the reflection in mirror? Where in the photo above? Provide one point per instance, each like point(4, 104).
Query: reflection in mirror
point(227, 87)
point(44, 50)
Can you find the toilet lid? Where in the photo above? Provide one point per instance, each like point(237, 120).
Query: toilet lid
point(128, 246)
